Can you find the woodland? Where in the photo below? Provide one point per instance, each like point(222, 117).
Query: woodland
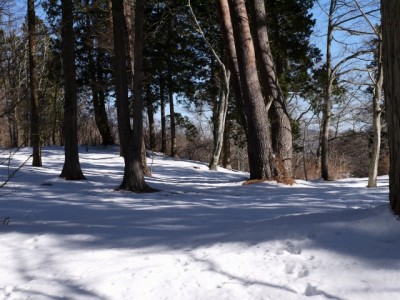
point(282, 89)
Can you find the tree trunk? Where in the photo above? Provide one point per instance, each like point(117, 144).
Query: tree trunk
point(279, 117)
point(35, 108)
point(258, 135)
point(327, 107)
point(98, 97)
point(226, 157)
point(219, 124)
point(54, 127)
point(163, 117)
point(377, 127)
point(72, 168)
point(172, 114)
point(222, 105)
point(130, 25)
point(130, 140)
point(229, 42)
point(391, 70)
point(152, 124)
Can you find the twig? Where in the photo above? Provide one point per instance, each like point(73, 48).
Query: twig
point(5, 221)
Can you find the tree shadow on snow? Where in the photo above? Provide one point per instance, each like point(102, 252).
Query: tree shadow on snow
point(197, 208)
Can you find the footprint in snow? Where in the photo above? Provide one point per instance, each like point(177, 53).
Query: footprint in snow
point(292, 248)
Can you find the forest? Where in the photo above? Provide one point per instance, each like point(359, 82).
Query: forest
point(284, 90)
point(197, 149)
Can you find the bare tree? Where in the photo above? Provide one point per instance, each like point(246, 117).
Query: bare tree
point(341, 17)
point(376, 77)
point(391, 67)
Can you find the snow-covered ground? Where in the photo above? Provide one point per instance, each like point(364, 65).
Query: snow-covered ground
point(203, 236)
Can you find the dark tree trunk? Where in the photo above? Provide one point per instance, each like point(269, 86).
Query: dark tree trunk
point(172, 114)
point(72, 168)
point(35, 109)
point(279, 117)
point(130, 140)
point(162, 110)
point(152, 124)
point(54, 127)
point(258, 135)
point(130, 25)
point(98, 96)
point(226, 150)
point(391, 70)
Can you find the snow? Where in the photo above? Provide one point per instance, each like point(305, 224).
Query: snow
point(203, 236)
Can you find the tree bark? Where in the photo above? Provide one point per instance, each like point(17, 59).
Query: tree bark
point(229, 42)
point(279, 117)
point(130, 25)
point(152, 124)
point(377, 127)
point(163, 117)
point(391, 69)
point(172, 113)
point(98, 97)
point(222, 105)
point(226, 150)
point(130, 140)
point(219, 124)
point(72, 168)
point(35, 104)
point(327, 106)
point(257, 134)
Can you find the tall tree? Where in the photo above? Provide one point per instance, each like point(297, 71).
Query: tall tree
point(35, 110)
point(72, 168)
point(222, 105)
point(130, 138)
point(376, 75)
point(230, 48)
point(279, 117)
point(391, 67)
point(95, 62)
point(129, 13)
point(257, 134)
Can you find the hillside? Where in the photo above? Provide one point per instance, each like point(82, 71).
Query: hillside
point(203, 236)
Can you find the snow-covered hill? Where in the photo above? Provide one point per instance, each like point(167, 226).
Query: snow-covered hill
point(203, 236)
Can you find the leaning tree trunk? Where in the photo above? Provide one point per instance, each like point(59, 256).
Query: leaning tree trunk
point(35, 109)
point(229, 42)
point(219, 126)
point(257, 134)
point(377, 112)
point(72, 168)
point(222, 105)
point(391, 68)
point(130, 140)
point(279, 117)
